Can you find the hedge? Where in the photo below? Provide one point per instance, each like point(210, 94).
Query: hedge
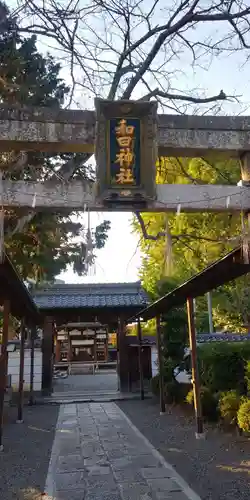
point(223, 367)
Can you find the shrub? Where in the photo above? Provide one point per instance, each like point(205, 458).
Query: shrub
point(155, 385)
point(175, 392)
point(168, 369)
point(243, 416)
point(223, 366)
point(209, 403)
point(229, 403)
point(247, 375)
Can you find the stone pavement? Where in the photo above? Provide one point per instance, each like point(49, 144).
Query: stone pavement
point(99, 455)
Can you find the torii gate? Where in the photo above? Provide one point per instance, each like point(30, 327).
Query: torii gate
point(45, 129)
point(48, 130)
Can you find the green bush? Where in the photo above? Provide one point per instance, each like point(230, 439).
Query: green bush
point(168, 370)
point(175, 392)
point(229, 403)
point(243, 416)
point(155, 385)
point(223, 366)
point(247, 375)
point(209, 403)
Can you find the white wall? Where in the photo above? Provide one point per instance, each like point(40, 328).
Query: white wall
point(154, 361)
point(13, 369)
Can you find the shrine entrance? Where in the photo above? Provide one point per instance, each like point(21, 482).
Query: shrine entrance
point(83, 319)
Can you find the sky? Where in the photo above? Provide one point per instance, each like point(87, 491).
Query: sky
point(119, 260)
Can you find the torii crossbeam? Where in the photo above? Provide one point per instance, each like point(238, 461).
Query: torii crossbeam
point(45, 129)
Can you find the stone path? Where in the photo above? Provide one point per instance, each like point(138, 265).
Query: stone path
point(99, 455)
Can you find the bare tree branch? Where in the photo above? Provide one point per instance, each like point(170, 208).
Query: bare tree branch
point(134, 43)
point(179, 97)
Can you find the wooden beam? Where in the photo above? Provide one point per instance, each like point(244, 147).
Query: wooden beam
point(45, 129)
point(75, 195)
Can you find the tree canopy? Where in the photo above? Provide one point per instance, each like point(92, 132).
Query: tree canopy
point(49, 241)
point(177, 246)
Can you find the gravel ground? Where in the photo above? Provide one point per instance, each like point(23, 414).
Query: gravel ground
point(27, 448)
point(217, 468)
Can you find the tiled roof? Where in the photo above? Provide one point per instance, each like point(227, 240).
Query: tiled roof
point(68, 296)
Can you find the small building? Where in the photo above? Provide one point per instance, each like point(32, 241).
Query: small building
point(108, 304)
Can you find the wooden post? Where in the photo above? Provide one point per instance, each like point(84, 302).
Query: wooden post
point(195, 373)
point(3, 364)
point(21, 375)
point(69, 348)
point(32, 359)
point(140, 359)
point(160, 365)
point(107, 347)
point(58, 349)
point(122, 356)
point(95, 348)
point(47, 373)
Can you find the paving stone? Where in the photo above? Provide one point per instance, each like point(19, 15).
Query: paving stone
point(70, 495)
point(89, 451)
point(114, 454)
point(157, 472)
point(173, 495)
point(99, 470)
point(121, 462)
point(105, 483)
point(163, 485)
point(136, 491)
point(96, 460)
point(69, 463)
point(129, 474)
point(68, 480)
point(103, 496)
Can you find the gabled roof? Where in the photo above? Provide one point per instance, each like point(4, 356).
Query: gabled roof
point(91, 296)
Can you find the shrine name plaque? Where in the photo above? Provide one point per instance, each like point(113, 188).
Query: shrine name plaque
point(126, 151)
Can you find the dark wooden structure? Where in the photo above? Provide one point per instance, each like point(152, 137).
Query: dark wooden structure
point(139, 353)
point(231, 266)
point(109, 304)
point(16, 300)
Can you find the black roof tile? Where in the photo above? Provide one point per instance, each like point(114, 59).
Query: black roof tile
point(104, 295)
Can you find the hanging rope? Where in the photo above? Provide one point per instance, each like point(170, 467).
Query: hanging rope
point(89, 259)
